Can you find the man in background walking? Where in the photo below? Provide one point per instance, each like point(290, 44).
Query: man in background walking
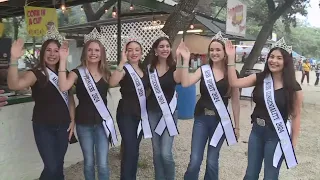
point(306, 68)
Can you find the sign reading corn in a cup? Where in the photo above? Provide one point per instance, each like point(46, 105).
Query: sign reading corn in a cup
point(39, 20)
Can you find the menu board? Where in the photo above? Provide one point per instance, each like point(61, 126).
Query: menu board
point(5, 47)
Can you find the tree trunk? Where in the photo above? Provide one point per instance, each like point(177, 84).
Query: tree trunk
point(15, 28)
point(94, 16)
point(179, 20)
point(263, 35)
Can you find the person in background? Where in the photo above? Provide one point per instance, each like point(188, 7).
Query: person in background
point(306, 68)
point(317, 74)
point(3, 99)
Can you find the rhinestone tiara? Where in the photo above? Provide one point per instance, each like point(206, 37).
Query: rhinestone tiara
point(93, 35)
point(282, 44)
point(132, 36)
point(219, 37)
point(53, 33)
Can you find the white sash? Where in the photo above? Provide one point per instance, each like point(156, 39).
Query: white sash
point(99, 104)
point(225, 124)
point(138, 84)
point(53, 78)
point(167, 110)
point(279, 125)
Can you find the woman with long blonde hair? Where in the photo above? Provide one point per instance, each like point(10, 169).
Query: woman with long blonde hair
point(94, 123)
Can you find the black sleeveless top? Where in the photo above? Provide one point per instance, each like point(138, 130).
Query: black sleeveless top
point(86, 112)
point(129, 104)
point(168, 86)
point(49, 108)
point(205, 98)
point(260, 110)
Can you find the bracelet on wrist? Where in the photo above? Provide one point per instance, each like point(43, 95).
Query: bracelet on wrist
point(119, 69)
point(14, 64)
point(62, 70)
point(182, 66)
point(232, 64)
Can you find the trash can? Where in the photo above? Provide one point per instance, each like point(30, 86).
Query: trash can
point(186, 101)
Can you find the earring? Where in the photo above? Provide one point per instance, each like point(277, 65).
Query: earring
point(156, 54)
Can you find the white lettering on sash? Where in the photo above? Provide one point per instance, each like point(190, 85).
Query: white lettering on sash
point(279, 125)
point(225, 124)
point(97, 100)
point(138, 84)
point(167, 120)
point(53, 78)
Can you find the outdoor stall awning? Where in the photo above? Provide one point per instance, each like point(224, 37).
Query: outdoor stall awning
point(12, 8)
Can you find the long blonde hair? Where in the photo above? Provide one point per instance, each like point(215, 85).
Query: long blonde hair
point(103, 64)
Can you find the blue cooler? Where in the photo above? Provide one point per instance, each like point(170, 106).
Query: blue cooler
point(186, 101)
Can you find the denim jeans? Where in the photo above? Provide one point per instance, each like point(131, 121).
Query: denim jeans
point(203, 129)
point(128, 125)
point(52, 142)
point(94, 145)
point(261, 146)
point(164, 165)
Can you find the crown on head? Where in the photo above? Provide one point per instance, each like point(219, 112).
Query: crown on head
point(219, 37)
point(53, 33)
point(282, 44)
point(132, 37)
point(93, 35)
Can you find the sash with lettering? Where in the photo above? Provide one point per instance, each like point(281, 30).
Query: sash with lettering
point(167, 120)
point(279, 125)
point(96, 98)
point(53, 78)
point(144, 123)
point(225, 124)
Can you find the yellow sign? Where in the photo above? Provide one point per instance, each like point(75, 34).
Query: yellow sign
point(1, 29)
point(39, 20)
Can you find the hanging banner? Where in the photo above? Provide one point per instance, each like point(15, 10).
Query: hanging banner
point(236, 18)
point(1, 29)
point(39, 20)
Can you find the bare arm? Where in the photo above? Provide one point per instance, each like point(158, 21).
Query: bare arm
point(117, 75)
point(66, 81)
point(72, 106)
point(188, 79)
point(18, 83)
point(177, 72)
point(235, 103)
point(296, 117)
point(234, 81)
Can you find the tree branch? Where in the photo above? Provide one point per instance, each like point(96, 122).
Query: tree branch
point(102, 9)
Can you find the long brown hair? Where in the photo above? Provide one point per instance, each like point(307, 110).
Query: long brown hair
point(42, 63)
point(154, 59)
point(103, 64)
point(225, 59)
point(288, 76)
point(140, 62)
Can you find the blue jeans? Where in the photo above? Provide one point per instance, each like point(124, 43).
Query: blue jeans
point(164, 165)
point(203, 129)
point(52, 142)
point(93, 141)
point(128, 125)
point(261, 146)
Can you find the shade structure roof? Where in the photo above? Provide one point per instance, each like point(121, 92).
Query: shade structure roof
point(12, 8)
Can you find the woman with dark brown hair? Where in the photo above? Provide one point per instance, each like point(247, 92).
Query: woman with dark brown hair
point(212, 120)
point(94, 123)
point(161, 105)
point(278, 97)
point(53, 113)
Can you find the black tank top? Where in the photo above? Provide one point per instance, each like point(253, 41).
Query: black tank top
point(129, 104)
point(86, 112)
point(260, 110)
point(205, 98)
point(49, 107)
point(168, 86)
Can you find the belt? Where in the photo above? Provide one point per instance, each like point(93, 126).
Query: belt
point(263, 123)
point(208, 112)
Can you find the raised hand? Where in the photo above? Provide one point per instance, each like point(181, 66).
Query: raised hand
point(64, 51)
point(231, 52)
point(124, 54)
point(185, 53)
point(17, 50)
point(179, 49)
